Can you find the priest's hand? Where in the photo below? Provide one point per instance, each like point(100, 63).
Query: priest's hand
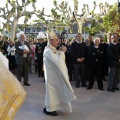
point(63, 48)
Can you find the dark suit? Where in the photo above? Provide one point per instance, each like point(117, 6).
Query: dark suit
point(39, 48)
point(105, 66)
point(95, 66)
point(78, 50)
point(22, 62)
point(113, 56)
point(68, 62)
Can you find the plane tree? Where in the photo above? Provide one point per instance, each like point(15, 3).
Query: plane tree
point(14, 10)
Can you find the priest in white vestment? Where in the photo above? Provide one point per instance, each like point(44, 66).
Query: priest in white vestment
point(59, 92)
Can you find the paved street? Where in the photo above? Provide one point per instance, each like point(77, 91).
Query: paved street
point(89, 105)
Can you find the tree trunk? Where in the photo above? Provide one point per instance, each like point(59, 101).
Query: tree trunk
point(13, 29)
point(108, 37)
point(80, 27)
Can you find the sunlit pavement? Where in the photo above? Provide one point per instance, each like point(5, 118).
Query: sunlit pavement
point(89, 105)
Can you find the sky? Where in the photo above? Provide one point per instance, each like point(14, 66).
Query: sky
point(48, 4)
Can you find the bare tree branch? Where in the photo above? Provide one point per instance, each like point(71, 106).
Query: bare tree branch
point(18, 5)
point(4, 15)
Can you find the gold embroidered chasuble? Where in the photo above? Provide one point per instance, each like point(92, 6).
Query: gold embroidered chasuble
point(12, 94)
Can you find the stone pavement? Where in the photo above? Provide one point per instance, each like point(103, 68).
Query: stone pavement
point(89, 105)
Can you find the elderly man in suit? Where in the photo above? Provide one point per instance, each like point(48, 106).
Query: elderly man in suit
point(22, 49)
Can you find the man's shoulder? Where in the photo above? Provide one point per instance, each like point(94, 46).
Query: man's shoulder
point(83, 44)
point(112, 45)
point(17, 43)
point(26, 42)
point(37, 43)
point(74, 43)
point(46, 50)
point(92, 48)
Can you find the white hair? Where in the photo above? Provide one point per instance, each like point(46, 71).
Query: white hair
point(97, 39)
point(86, 39)
point(19, 34)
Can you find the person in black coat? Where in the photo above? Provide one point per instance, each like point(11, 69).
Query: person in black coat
point(11, 56)
point(91, 41)
point(39, 52)
point(68, 60)
point(78, 55)
point(45, 43)
point(113, 56)
point(87, 70)
point(105, 66)
point(95, 65)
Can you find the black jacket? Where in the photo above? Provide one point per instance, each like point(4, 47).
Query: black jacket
point(39, 47)
point(77, 50)
point(113, 55)
point(96, 57)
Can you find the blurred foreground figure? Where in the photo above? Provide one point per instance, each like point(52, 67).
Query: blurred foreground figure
point(12, 95)
point(3, 47)
point(59, 92)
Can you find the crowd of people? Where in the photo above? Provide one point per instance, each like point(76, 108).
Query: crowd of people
point(87, 60)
